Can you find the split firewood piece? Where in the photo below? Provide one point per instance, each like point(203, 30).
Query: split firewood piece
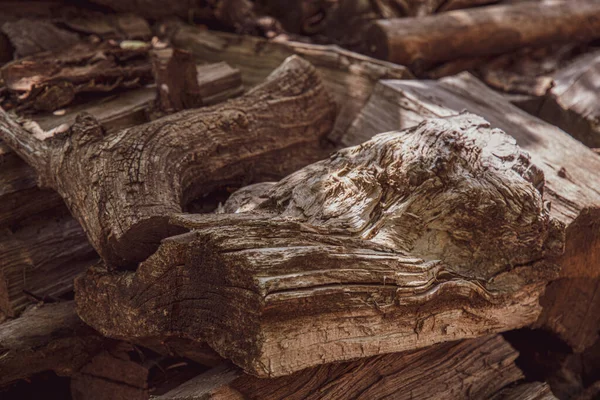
point(46, 337)
point(573, 102)
point(122, 187)
point(383, 247)
point(110, 26)
point(571, 303)
point(30, 36)
point(486, 367)
point(420, 43)
point(50, 80)
point(40, 257)
point(529, 391)
point(348, 76)
point(181, 84)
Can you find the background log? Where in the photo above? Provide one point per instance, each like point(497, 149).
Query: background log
point(420, 43)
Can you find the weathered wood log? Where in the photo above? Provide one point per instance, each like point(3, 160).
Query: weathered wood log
point(46, 337)
point(40, 257)
point(349, 77)
point(110, 26)
point(526, 391)
point(122, 187)
point(572, 103)
point(369, 252)
point(420, 43)
point(30, 36)
point(51, 80)
point(469, 369)
point(571, 303)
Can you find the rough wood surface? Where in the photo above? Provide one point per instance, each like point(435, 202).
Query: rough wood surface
point(51, 80)
point(572, 187)
point(469, 369)
point(526, 391)
point(389, 246)
point(573, 102)
point(46, 337)
point(421, 42)
point(40, 257)
point(349, 77)
point(272, 130)
point(30, 36)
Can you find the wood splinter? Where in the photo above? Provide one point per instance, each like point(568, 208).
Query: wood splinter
point(122, 187)
point(433, 234)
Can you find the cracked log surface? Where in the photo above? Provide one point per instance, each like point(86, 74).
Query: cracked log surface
point(474, 369)
point(122, 187)
point(433, 234)
point(571, 303)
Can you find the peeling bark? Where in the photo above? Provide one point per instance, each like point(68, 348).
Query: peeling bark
point(389, 246)
point(572, 303)
point(111, 183)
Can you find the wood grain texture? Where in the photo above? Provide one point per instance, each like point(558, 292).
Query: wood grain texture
point(572, 103)
point(46, 337)
point(572, 187)
point(420, 43)
point(434, 234)
point(349, 77)
point(469, 369)
point(272, 130)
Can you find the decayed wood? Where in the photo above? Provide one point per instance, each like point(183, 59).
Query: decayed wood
point(572, 103)
point(46, 337)
point(50, 80)
point(40, 257)
point(122, 187)
point(572, 302)
point(469, 369)
point(421, 42)
point(349, 77)
point(389, 246)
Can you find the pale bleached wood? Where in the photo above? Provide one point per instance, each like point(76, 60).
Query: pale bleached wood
point(571, 303)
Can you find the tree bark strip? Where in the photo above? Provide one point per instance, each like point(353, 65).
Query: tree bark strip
point(572, 303)
point(420, 43)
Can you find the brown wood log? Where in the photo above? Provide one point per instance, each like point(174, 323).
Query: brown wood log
point(348, 76)
point(423, 42)
point(572, 102)
point(46, 337)
point(526, 391)
point(572, 303)
point(469, 369)
point(51, 80)
point(272, 130)
point(358, 255)
point(40, 257)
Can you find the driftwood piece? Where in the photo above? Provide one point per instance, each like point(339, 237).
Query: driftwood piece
point(40, 257)
point(572, 303)
point(383, 247)
point(469, 369)
point(51, 80)
point(420, 43)
point(122, 187)
point(349, 77)
point(46, 337)
point(572, 103)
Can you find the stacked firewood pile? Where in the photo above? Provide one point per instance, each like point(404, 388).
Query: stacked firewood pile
point(231, 199)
